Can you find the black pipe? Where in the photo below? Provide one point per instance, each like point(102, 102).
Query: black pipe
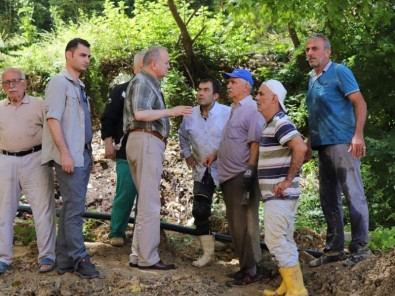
point(165, 225)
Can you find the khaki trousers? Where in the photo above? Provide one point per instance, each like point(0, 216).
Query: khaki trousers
point(26, 174)
point(145, 154)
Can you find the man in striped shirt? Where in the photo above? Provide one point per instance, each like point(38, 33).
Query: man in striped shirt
point(281, 154)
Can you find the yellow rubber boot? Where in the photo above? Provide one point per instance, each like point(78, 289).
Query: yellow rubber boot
point(279, 292)
point(294, 281)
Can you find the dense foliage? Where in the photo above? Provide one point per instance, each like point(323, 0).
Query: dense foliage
point(265, 36)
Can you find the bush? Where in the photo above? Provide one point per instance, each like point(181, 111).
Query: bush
point(378, 176)
point(382, 239)
point(309, 210)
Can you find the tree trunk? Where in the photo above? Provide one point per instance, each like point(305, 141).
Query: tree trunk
point(195, 68)
point(187, 41)
point(300, 59)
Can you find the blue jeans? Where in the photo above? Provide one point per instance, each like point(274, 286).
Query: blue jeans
point(340, 173)
point(70, 243)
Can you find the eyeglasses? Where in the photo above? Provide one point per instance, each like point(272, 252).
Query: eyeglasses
point(13, 81)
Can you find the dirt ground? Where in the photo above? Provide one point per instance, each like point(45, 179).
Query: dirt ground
point(374, 276)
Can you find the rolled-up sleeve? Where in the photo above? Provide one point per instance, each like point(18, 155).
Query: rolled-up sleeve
point(256, 122)
point(183, 138)
point(55, 98)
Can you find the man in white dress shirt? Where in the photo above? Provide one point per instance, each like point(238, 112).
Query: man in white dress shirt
point(199, 136)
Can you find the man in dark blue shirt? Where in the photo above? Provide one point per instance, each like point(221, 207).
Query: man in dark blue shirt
point(114, 145)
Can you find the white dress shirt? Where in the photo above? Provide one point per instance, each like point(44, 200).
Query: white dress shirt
point(200, 137)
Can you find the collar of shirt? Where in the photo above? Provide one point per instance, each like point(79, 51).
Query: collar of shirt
point(323, 71)
point(152, 78)
point(69, 77)
point(212, 111)
point(279, 113)
point(25, 100)
point(246, 100)
point(243, 102)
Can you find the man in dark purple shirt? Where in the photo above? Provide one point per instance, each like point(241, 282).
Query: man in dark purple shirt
point(237, 163)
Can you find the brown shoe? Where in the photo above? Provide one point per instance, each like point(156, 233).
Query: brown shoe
point(159, 266)
point(247, 279)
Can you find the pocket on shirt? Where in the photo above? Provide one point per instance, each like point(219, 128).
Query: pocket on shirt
point(71, 99)
point(237, 134)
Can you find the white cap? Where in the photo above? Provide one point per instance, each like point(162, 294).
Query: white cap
point(277, 88)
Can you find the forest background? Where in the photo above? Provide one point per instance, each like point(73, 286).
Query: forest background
point(206, 38)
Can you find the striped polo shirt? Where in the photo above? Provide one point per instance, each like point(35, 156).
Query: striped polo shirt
point(275, 157)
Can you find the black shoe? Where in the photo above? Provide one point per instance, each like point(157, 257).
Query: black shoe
point(238, 275)
point(358, 254)
point(247, 279)
point(133, 264)
point(358, 249)
point(158, 266)
point(86, 269)
point(63, 270)
point(328, 258)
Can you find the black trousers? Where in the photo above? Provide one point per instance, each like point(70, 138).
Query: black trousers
point(201, 211)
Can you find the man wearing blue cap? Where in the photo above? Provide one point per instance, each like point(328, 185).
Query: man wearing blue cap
point(237, 163)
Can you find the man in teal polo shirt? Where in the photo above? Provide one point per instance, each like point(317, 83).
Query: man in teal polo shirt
point(337, 115)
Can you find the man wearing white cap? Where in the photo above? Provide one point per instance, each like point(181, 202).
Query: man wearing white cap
point(237, 161)
point(281, 155)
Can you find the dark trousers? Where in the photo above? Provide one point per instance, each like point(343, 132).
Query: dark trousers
point(70, 242)
point(243, 221)
point(201, 211)
point(340, 173)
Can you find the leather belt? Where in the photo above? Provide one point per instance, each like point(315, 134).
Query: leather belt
point(156, 134)
point(21, 153)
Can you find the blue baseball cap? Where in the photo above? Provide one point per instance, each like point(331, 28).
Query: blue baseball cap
point(240, 73)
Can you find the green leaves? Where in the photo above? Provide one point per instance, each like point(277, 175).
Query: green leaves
point(382, 239)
